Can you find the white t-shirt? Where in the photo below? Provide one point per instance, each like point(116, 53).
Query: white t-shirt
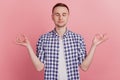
point(62, 72)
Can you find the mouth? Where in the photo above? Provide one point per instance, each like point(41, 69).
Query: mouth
point(60, 21)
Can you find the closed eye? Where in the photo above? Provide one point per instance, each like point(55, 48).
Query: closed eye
point(64, 14)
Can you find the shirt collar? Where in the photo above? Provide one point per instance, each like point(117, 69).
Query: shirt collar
point(66, 34)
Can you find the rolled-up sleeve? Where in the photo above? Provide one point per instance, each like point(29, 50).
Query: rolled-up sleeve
point(39, 50)
point(82, 50)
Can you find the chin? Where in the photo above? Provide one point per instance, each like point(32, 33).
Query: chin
point(60, 26)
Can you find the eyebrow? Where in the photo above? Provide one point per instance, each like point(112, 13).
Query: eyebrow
point(64, 13)
point(56, 13)
point(59, 13)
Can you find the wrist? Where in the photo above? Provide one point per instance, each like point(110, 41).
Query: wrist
point(94, 45)
point(28, 46)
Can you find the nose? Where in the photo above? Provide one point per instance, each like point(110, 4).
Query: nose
point(60, 17)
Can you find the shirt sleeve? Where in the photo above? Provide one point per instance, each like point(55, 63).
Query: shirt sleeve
point(39, 50)
point(81, 50)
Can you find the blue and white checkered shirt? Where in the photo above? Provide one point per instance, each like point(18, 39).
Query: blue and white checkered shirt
point(48, 53)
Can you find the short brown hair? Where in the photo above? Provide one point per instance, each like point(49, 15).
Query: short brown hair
point(60, 4)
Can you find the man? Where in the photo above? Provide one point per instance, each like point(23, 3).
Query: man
point(61, 52)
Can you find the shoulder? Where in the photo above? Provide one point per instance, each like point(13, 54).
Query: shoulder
point(75, 35)
point(46, 35)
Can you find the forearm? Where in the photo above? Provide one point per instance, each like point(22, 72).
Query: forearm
point(38, 65)
point(87, 61)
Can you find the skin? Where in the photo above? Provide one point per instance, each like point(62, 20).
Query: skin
point(60, 17)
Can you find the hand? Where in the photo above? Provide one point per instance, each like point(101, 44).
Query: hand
point(22, 40)
point(99, 38)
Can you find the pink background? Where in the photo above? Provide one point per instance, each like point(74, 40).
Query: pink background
point(33, 18)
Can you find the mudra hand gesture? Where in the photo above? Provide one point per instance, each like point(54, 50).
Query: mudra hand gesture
point(99, 38)
point(22, 40)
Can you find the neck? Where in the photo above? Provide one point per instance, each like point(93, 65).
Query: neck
point(60, 31)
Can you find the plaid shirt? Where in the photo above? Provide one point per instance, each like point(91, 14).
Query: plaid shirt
point(48, 53)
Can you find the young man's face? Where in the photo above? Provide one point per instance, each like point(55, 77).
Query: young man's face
point(60, 16)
